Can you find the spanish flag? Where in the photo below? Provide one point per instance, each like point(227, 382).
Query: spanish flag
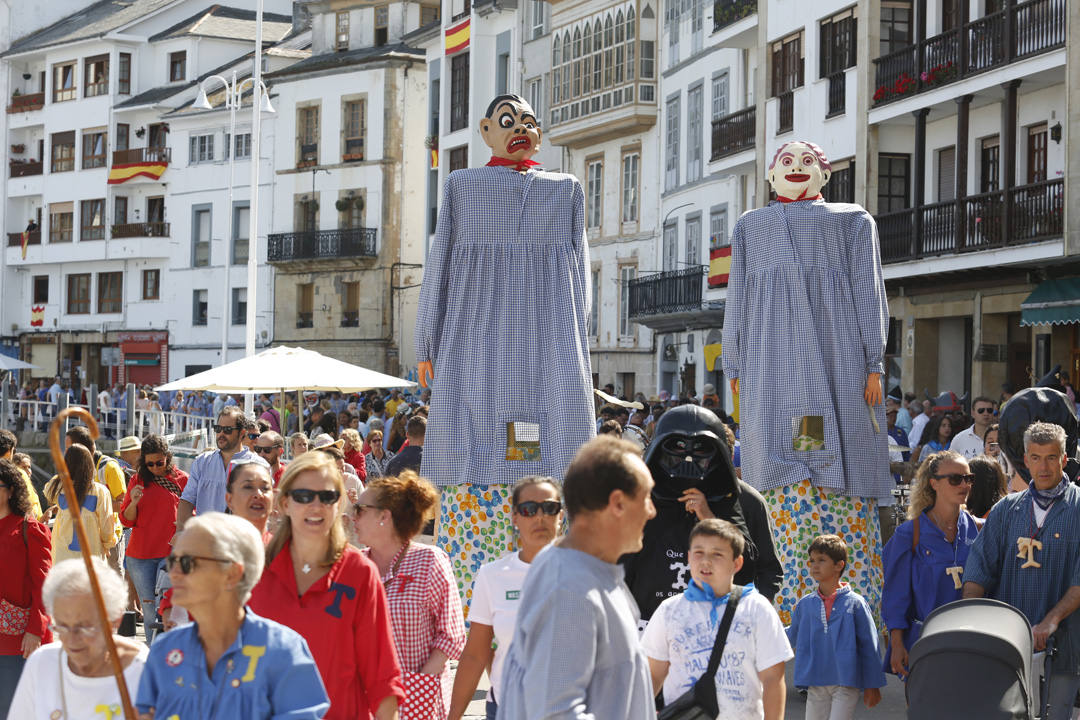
point(457, 37)
point(126, 171)
point(719, 266)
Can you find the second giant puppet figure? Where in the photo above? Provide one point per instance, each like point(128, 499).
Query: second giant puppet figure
point(502, 326)
point(804, 340)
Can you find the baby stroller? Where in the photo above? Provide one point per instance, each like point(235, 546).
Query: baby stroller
point(974, 660)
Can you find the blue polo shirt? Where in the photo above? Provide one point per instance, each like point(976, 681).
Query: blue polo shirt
point(206, 482)
point(267, 672)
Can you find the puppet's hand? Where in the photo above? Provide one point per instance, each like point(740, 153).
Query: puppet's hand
point(735, 386)
point(873, 389)
point(427, 371)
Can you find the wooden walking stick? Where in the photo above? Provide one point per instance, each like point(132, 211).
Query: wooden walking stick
point(84, 544)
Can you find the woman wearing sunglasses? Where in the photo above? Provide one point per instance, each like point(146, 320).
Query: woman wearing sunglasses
point(230, 663)
point(149, 509)
point(924, 560)
point(425, 609)
point(330, 593)
point(537, 516)
point(73, 679)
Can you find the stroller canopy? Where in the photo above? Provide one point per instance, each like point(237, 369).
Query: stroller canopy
point(972, 660)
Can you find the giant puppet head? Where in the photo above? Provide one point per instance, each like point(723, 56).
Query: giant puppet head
point(510, 128)
point(799, 170)
point(1037, 404)
point(689, 451)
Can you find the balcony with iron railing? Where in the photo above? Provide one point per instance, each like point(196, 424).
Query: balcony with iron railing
point(662, 298)
point(313, 245)
point(15, 238)
point(1003, 218)
point(1014, 33)
point(26, 103)
point(140, 229)
point(729, 12)
point(24, 168)
point(734, 133)
point(141, 155)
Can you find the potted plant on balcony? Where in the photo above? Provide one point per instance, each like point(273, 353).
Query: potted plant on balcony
point(343, 204)
point(18, 148)
point(939, 74)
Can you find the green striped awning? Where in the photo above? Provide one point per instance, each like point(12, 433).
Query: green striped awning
point(1054, 302)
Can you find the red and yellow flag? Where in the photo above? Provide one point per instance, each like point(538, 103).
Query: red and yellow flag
point(457, 37)
point(126, 171)
point(719, 266)
point(434, 159)
point(37, 315)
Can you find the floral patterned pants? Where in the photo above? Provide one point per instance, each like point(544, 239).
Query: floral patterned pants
point(800, 513)
point(475, 527)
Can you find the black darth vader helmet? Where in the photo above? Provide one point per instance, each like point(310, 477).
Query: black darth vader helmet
point(1031, 405)
point(689, 450)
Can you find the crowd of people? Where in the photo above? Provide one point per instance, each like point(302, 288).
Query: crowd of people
point(287, 574)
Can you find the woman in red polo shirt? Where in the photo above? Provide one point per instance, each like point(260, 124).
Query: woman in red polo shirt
point(149, 509)
point(330, 593)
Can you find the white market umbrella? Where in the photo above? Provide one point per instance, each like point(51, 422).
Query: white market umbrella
point(283, 369)
point(10, 363)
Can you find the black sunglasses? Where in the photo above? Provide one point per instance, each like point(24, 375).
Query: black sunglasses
point(263, 450)
point(956, 478)
point(156, 463)
point(187, 563)
point(225, 429)
point(529, 508)
point(326, 497)
point(983, 410)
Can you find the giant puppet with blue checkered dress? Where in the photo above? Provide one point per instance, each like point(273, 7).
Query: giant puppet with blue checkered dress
point(501, 333)
point(804, 339)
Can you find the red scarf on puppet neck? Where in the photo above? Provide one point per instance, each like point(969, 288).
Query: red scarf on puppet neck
point(783, 199)
point(519, 165)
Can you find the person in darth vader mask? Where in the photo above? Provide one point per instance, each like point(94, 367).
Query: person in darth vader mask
point(694, 478)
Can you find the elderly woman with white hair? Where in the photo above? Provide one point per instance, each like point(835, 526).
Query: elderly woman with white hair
point(230, 663)
point(73, 678)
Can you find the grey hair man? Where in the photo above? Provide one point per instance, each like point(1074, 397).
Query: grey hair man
point(1028, 555)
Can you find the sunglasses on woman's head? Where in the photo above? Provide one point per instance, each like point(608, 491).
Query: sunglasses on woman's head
point(304, 497)
point(188, 563)
point(529, 508)
point(956, 478)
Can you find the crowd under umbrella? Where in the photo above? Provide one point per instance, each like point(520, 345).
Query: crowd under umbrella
point(287, 369)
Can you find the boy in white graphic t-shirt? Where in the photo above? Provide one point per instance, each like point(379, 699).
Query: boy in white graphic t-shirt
point(680, 635)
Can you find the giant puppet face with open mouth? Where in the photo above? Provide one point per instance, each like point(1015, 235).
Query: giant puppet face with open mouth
point(511, 129)
point(799, 171)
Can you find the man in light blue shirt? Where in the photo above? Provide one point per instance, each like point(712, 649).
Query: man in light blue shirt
point(205, 490)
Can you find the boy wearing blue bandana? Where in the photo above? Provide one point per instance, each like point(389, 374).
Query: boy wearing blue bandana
point(835, 639)
point(680, 635)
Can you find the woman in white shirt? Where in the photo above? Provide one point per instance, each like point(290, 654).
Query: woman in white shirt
point(73, 678)
point(537, 517)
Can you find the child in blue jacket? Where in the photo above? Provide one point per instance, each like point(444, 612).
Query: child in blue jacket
point(835, 639)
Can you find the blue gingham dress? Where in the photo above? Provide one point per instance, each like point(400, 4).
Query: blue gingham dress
point(805, 323)
point(502, 315)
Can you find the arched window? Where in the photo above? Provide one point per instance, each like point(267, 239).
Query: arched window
point(556, 58)
point(566, 53)
point(577, 63)
point(630, 32)
point(609, 59)
point(586, 51)
point(630, 29)
point(598, 50)
point(620, 55)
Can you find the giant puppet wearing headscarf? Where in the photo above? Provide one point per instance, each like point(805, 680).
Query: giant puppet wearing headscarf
point(502, 327)
point(804, 339)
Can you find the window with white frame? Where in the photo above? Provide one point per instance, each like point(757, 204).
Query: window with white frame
point(693, 241)
point(595, 197)
point(697, 26)
point(241, 146)
point(631, 165)
point(535, 95)
point(536, 18)
point(671, 246)
point(671, 145)
point(672, 23)
point(720, 95)
point(695, 132)
point(201, 148)
point(718, 236)
point(626, 274)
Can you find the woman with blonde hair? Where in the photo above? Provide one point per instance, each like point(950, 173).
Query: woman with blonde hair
point(924, 560)
point(330, 593)
point(354, 452)
point(425, 608)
